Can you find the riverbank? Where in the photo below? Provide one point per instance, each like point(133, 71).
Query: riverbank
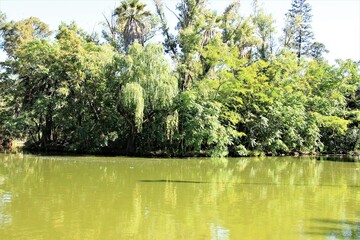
point(18, 147)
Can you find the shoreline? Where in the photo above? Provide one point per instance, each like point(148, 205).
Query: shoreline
point(163, 155)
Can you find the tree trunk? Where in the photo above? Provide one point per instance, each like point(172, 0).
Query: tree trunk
point(47, 131)
point(300, 43)
point(131, 143)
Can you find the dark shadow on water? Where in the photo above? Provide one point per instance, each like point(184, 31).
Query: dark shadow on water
point(338, 158)
point(328, 229)
point(337, 229)
point(296, 184)
point(338, 235)
point(332, 221)
point(240, 183)
point(170, 181)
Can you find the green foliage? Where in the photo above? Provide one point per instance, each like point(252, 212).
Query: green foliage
point(226, 92)
point(132, 100)
point(265, 30)
point(144, 87)
point(200, 129)
point(15, 34)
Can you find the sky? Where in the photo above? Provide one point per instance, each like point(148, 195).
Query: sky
point(336, 23)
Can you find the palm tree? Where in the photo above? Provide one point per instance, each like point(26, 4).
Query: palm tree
point(130, 17)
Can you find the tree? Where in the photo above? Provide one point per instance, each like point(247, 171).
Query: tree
point(185, 47)
point(224, 92)
point(80, 117)
point(264, 30)
point(143, 88)
point(15, 34)
point(239, 31)
point(230, 21)
point(298, 35)
point(170, 41)
point(318, 50)
point(131, 18)
point(50, 90)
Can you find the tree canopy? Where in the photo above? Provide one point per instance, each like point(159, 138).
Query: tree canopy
point(219, 84)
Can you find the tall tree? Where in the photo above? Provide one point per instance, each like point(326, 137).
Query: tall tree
point(239, 31)
point(298, 34)
point(265, 31)
point(190, 26)
point(230, 21)
point(131, 15)
point(185, 47)
point(170, 40)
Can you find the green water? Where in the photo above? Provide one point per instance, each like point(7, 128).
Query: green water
point(129, 198)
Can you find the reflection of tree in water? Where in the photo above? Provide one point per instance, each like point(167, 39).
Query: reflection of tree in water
point(335, 229)
point(280, 190)
point(16, 175)
point(284, 171)
point(191, 199)
point(5, 199)
point(219, 233)
point(284, 189)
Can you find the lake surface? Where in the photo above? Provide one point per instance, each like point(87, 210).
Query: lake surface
point(131, 198)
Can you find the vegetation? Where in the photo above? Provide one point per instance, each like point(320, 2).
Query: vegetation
point(229, 89)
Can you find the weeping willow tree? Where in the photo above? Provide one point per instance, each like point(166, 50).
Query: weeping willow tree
point(133, 101)
point(144, 89)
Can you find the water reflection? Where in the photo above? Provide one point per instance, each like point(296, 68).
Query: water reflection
point(121, 198)
point(5, 199)
point(170, 181)
point(336, 229)
point(219, 233)
point(339, 158)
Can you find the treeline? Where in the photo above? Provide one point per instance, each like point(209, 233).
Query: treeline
point(221, 85)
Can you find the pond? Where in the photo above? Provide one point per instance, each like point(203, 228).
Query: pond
point(132, 198)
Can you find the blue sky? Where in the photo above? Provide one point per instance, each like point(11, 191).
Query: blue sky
point(336, 23)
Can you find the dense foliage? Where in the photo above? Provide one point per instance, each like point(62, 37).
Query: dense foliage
point(221, 85)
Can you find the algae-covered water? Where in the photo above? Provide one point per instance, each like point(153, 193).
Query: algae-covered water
point(134, 198)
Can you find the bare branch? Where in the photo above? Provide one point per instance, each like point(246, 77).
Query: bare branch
point(173, 12)
point(110, 25)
